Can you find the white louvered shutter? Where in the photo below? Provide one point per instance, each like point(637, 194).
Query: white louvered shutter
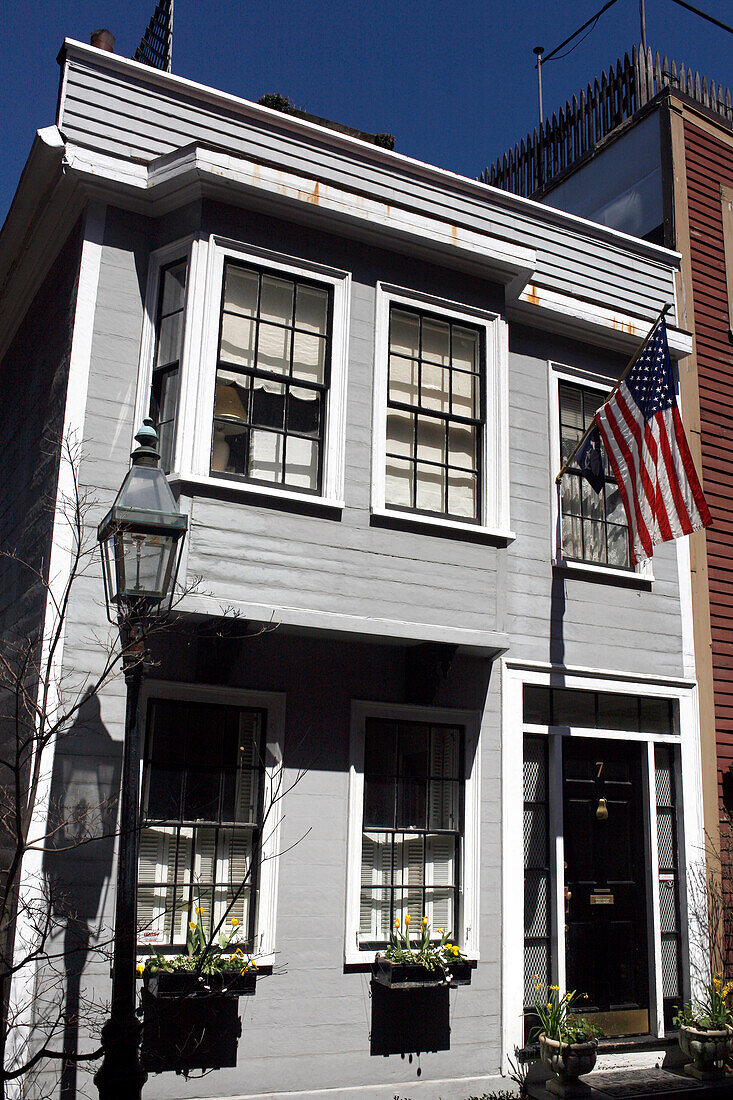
point(374, 904)
point(156, 870)
point(440, 875)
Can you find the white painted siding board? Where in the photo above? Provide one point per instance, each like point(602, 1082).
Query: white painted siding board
point(111, 102)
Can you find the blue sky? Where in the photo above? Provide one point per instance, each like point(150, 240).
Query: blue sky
point(454, 82)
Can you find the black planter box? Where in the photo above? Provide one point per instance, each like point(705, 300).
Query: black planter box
point(461, 972)
point(416, 1022)
point(186, 1033)
point(174, 983)
point(166, 983)
point(407, 975)
point(234, 983)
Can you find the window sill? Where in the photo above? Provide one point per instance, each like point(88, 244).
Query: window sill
point(288, 500)
point(443, 528)
point(604, 574)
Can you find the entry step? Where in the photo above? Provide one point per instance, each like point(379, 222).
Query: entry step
point(638, 1084)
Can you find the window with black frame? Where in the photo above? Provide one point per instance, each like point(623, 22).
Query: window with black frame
point(435, 416)
point(594, 526)
point(200, 819)
point(167, 358)
point(272, 379)
point(412, 827)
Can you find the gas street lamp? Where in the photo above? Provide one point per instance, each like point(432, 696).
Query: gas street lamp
point(141, 540)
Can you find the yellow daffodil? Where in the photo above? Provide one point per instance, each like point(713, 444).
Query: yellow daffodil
point(199, 910)
point(140, 968)
point(440, 932)
point(549, 1004)
point(243, 971)
point(239, 952)
point(456, 951)
point(424, 921)
point(235, 921)
point(253, 964)
point(536, 977)
point(192, 924)
point(397, 922)
point(408, 918)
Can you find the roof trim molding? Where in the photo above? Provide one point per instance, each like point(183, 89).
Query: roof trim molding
point(358, 149)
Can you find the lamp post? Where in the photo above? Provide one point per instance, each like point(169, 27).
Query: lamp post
point(141, 540)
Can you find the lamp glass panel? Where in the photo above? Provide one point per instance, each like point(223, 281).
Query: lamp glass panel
point(146, 564)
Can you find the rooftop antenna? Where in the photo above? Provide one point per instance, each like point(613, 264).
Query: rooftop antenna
point(538, 51)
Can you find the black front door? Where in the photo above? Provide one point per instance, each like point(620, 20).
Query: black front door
point(605, 896)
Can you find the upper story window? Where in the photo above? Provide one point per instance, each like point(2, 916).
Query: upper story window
point(594, 526)
point(441, 414)
point(272, 378)
point(167, 355)
point(243, 366)
point(435, 415)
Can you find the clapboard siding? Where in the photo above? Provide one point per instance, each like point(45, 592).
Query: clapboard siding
point(709, 163)
point(125, 111)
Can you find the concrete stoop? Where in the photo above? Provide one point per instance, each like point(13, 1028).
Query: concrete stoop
point(646, 1084)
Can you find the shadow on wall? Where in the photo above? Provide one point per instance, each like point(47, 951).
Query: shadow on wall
point(78, 858)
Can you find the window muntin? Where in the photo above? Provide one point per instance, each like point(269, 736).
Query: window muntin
point(412, 827)
point(594, 526)
point(272, 379)
point(435, 415)
point(201, 811)
point(167, 356)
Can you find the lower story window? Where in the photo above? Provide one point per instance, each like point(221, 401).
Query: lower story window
point(201, 819)
point(412, 827)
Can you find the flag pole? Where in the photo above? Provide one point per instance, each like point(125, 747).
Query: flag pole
point(660, 317)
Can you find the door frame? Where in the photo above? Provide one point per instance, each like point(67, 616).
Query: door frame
point(690, 837)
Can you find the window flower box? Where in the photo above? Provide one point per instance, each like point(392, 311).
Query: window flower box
point(407, 975)
point(181, 1034)
point(414, 963)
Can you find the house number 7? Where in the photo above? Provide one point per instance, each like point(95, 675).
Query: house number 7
point(599, 765)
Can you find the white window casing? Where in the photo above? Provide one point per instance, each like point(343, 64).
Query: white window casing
point(643, 574)
point(494, 518)
point(192, 450)
point(467, 933)
point(273, 704)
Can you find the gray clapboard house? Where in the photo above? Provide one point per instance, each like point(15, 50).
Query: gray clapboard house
point(364, 370)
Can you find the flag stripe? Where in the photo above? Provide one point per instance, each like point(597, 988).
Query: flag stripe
point(638, 511)
point(644, 439)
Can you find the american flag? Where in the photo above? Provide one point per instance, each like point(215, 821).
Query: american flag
point(642, 434)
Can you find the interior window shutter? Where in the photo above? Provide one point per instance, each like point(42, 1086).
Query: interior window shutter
point(246, 766)
point(239, 857)
point(440, 874)
point(155, 872)
point(415, 875)
point(374, 914)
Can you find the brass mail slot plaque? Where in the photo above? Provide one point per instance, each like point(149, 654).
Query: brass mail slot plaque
point(601, 899)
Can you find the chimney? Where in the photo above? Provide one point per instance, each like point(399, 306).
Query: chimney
point(103, 40)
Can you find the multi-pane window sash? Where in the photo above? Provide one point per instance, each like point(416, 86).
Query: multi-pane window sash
point(435, 415)
point(201, 819)
point(272, 379)
point(167, 359)
point(412, 827)
point(594, 527)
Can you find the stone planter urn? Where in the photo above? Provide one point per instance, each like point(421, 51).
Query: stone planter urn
point(568, 1062)
point(708, 1050)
